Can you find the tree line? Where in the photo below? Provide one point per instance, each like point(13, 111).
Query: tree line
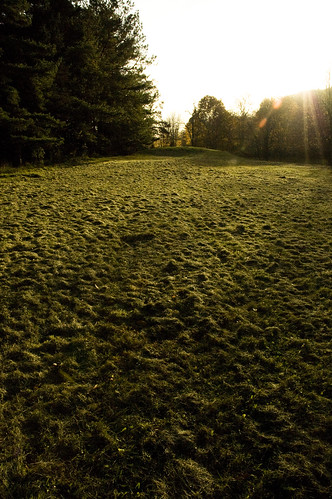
point(72, 80)
point(296, 128)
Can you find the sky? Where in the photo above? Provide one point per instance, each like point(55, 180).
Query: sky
point(235, 49)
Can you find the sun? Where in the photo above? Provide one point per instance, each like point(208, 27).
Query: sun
point(231, 49)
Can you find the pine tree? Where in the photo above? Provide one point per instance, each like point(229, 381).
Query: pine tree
point(72, 79)
point(100, 91)
point(27, 73)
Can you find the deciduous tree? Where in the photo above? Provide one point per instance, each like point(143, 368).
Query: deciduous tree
point(209, 125)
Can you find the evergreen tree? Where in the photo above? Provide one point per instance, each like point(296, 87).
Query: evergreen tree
point(27, 73)
point(101, 91)
point(72, 79)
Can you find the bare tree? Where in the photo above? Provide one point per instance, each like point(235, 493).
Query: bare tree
point(244, 122)
point(174, 122)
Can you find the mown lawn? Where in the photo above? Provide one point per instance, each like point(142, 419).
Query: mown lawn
point(166, 329)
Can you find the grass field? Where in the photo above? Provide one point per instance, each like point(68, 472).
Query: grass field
point(166, 329)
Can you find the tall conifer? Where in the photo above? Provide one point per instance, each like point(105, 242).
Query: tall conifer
point(72, 79)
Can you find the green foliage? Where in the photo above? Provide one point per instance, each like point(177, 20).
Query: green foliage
point(295, 128)
point(209, 124)
point(73, 80)
point(165, 328)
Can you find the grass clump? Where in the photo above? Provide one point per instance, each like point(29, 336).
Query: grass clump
point(166, 329)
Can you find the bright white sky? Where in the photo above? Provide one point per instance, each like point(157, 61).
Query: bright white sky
point(235, 48)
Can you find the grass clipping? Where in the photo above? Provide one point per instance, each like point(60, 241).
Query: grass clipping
point(165, 329)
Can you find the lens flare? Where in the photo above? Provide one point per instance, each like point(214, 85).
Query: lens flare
point(277, 103)
point(263, 123)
